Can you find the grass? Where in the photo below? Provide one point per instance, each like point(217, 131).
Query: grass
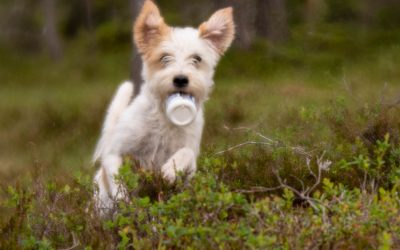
point(329, 177)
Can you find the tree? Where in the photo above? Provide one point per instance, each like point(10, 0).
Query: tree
point(136, 70)
point(244, 14)
point(19, 25)
point(50, 33)
point(315, 12)
point(261, 18)
point(271, 20)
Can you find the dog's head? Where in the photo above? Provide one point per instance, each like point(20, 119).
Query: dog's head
point(181, 59)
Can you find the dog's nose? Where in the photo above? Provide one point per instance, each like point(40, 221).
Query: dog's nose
point(181, 81)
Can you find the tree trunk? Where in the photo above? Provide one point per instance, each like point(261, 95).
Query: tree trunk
point(19, 28)
point(50, 33)
point(272, 20)
point(136, 70)
point(89, 25)
point(89, 15)
point(244, 15)
point(315, 12)
point(369, 11)
point(261, 18)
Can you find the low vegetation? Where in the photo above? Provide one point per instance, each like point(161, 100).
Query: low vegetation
point(302, 155)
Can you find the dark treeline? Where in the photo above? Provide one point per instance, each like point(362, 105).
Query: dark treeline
point(48, 25)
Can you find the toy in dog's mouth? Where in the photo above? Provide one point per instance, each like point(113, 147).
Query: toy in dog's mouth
point(181, 108)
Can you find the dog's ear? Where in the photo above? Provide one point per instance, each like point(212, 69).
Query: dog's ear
point(219, 29)
point(149, 28)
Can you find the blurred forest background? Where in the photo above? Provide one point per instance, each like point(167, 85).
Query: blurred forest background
point(30, 27)
point(60, 62)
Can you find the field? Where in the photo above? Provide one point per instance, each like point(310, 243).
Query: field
point(300, 151)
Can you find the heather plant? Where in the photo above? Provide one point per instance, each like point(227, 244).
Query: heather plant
point(208, 213)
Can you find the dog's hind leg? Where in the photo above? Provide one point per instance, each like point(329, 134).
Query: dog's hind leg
point(109, 190)
point(183, 160)
point(119, 103)
point(103, 197)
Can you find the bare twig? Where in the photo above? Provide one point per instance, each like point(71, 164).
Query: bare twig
point(265, 141)
point(318, 180)
point(300, 181)
point(76, 243)
point(348, 88)
point(305, 193)
point(259, 189)
point(382, 99)
point(302, 195)
point(309, 168)
point(242, 145)
point(265, 138)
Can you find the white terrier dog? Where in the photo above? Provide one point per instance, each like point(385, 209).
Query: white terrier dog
point(175, 60)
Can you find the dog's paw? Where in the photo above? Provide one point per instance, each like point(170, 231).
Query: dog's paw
point(168, 171)
point(182, 161)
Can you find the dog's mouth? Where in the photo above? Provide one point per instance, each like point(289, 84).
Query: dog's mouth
point(181, 92)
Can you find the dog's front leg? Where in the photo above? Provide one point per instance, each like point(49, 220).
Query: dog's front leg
point(183, 160)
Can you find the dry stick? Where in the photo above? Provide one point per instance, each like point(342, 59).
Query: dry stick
point(278, 144)
point(382, 99)
point(300, 181)
point(265, 138)
point(243, 144)
point(318, 181)
point(296, 149)
point(259, 189)
point(75, 242)
point(347, 87)
point(305, 193)
point(309, 169)
point(305, 196)
point(272, 143)
point(364, 184)
point(240, 128)
point(302, 195)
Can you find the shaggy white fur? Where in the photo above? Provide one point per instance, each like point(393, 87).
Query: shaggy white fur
point(140, 128)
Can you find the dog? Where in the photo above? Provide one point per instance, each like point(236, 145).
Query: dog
point(175, 60)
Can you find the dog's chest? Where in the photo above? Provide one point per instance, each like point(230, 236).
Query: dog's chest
point(158, 144)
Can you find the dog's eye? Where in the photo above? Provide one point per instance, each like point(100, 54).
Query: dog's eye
point(165, 59)
point(196, 59)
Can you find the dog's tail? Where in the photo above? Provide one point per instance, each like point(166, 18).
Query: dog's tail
point(120, 102)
